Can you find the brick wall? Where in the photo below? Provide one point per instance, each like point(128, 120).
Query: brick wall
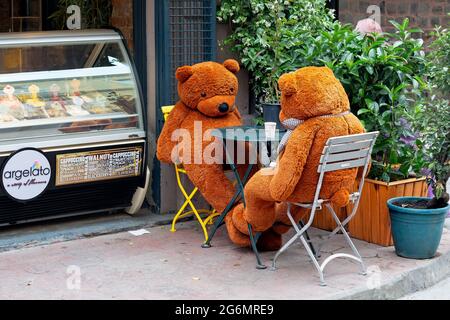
point(421, 13)
point(122, 18)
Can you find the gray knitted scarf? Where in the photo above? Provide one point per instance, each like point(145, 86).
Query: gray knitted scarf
point(292, 123)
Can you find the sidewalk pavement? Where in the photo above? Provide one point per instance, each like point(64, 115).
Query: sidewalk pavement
point(165, 265)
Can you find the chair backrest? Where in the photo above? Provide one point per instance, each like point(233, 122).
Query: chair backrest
point(166, 110)
point(347, 152)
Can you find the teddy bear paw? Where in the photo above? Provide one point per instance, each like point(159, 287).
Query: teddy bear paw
point(238, 238)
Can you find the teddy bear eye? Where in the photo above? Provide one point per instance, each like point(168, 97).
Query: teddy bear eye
point(203, 95)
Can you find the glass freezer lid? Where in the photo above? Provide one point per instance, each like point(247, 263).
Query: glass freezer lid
point(66, 84)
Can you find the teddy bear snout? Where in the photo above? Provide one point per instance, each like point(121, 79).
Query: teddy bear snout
point(224, 107)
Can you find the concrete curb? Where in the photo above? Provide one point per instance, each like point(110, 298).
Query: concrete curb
point(408, 282)
point(405, 284)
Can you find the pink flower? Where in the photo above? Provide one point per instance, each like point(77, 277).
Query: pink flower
point(368, 26)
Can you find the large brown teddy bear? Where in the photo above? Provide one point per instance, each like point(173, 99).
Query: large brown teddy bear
point(315, 97)
point(207, 96)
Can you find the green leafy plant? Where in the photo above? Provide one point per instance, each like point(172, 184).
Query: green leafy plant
point(435, 132)
point(264, 34)
point(434, 124)
point(94, 13)
point(439, 61)
point(383, 76)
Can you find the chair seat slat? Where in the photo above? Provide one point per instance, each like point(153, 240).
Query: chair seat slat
point(352, 138)
point(349, 146)
point(353, 155)
point(342, 165)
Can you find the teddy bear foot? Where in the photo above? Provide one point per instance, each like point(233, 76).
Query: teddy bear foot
point(237, 217)
point(237, 237)
point(269, 241)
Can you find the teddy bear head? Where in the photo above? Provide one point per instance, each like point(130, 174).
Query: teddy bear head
point(311, 92)
point(209, 87)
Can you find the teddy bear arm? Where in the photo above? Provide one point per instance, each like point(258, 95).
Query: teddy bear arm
point(292, 163)
point(165, 141)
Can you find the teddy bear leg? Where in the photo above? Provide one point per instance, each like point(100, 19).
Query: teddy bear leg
point(259, 211)
point(212, 183)
point(270, 240)
point(236, 236)
point(260, 206)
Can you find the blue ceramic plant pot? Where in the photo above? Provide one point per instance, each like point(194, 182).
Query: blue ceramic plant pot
point(416, 232)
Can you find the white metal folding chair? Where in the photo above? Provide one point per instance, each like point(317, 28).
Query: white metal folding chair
point(339, 153)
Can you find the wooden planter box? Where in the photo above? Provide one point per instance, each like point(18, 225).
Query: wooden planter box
point(372, 222)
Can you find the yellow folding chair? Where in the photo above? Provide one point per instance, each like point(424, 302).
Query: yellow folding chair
point(179, 170)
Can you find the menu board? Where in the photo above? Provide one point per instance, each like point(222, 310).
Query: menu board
point(84, 167)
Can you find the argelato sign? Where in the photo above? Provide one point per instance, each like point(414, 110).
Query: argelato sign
point(26, 174)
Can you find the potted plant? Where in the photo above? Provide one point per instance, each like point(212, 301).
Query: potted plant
point(417, 222)
point(434, 126)
point(264, 34)
point(398, 157)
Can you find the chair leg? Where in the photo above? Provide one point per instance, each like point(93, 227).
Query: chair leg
point(313, 250)
point(283, 249)
point(211, 216)
point(200, 220)
point(300, 233)
point(348, 239)
point(219, 221)
point(314, 260)
point(180, 212)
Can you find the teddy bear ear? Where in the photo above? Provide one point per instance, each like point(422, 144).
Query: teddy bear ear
point(328, 70)
point(287, 84)
point(232, 65)
point(184, 73)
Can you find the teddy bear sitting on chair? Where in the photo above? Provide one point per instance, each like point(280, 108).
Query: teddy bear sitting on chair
point(314, 108)
point(207, 93)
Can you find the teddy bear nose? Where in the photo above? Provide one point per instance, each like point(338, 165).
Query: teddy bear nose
point(224, 107)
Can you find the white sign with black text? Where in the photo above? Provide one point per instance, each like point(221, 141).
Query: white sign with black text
point(26, 174)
